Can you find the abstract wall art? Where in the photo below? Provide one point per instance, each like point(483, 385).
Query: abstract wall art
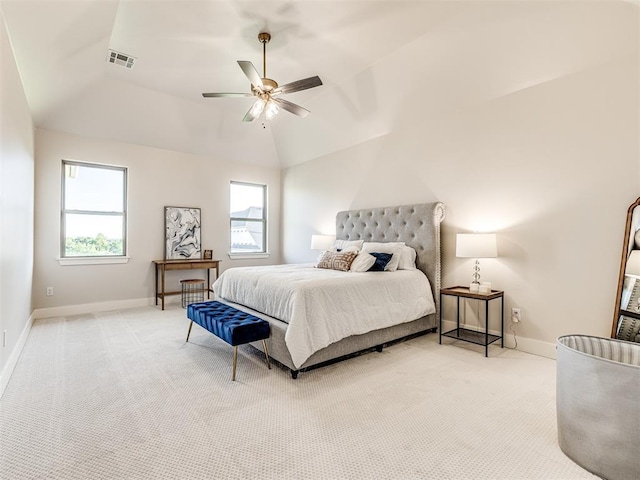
point(182, 233)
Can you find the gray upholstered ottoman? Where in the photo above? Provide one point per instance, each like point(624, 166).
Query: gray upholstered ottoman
point(598, 404)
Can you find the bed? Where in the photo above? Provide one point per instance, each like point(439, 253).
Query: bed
point(302, 337)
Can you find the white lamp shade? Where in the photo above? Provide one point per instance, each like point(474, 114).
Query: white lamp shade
point(476, 245)
point(322, 242)
point(633, 263)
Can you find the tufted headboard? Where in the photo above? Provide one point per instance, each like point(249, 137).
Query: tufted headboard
point(417, 225)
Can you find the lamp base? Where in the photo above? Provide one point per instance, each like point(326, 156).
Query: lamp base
point(476, 272)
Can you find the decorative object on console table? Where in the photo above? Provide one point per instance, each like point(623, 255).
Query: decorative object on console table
point(476, 245)
point(207, 255)
point(483, 338)
point(182, 233)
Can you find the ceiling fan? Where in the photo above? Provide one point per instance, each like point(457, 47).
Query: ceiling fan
point(267, 90)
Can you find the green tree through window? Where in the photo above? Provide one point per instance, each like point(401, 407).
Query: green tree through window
point(93, 218)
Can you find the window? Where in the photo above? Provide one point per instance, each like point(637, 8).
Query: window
point(248, 218)
point(94, 210)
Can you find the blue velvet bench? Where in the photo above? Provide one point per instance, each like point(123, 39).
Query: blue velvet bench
point(231, 325)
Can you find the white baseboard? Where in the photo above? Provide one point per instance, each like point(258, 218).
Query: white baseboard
point(7, 370)
point(527, 345)
point(99, 307)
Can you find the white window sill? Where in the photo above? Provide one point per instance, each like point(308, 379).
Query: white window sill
point(92, 260)
point(244, 256)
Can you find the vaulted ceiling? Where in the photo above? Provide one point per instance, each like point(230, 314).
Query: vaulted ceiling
point(185, 47)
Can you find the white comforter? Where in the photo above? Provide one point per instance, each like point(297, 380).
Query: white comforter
point(323, 306)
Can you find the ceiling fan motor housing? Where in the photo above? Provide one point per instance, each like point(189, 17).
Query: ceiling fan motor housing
point(268, 84)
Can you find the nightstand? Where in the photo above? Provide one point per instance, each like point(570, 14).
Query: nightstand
point(468, 335)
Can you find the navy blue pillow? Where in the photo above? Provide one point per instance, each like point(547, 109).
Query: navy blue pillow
point(381, 261)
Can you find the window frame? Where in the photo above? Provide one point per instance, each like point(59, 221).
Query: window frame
point(93, 259)
point(263, 220)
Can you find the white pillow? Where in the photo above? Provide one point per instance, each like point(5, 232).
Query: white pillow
point(341, 245)
point(395, 248)
point(407, 259)
point(363, 262)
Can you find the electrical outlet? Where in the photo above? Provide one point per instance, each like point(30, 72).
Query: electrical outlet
point(49, 291)
point(516, 315)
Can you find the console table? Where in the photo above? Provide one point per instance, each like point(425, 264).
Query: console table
point(164, 265)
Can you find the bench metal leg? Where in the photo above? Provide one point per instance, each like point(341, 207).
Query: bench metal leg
point(266, 353)
point(189, 332)
point(235, 361)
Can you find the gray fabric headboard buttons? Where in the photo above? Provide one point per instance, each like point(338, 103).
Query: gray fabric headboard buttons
point(417, 225)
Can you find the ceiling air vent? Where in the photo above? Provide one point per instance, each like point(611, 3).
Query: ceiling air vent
point(120, 58)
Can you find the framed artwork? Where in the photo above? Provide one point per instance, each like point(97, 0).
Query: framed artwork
point(182, 233)
point(207, 255)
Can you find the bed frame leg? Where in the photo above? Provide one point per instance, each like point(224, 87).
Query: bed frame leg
point(379, 348)
point(189, 331)
point(294, 374)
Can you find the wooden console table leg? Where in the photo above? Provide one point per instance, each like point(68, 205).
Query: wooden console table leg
point(156, 284)
point(162, 287)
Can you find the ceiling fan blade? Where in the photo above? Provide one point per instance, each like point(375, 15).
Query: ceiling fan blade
point(226, 95)
point(251, 73)
point(255, 111)
point(298, 85)
point(291, 107)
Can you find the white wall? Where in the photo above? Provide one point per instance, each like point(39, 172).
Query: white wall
point(545, 154)
point(16, 210)
point(157, 178)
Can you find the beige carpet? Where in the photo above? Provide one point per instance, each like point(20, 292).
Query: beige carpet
point(121, 395)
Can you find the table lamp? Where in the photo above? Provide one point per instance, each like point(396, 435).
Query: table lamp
point(476, 245)
point(322, 242)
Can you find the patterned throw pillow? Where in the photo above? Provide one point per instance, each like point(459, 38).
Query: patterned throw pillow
point(337, 261)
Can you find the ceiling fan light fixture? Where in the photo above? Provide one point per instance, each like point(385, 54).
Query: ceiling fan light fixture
point(271, 110)
point(257, 108)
